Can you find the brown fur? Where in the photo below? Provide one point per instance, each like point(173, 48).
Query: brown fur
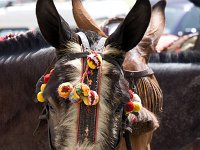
point(147, 87)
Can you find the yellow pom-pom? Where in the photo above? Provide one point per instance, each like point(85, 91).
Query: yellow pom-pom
point(85, 89)
point(42, 87)
point(86, 100)
point(94, 61)
point(91, 65)
point(137, 106)
point(65, 89)
point(40, 97)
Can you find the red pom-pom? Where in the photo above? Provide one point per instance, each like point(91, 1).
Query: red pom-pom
point(46, 78)
point(131, 94)
point(129, 106)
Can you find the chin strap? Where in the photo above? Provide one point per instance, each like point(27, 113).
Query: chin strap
point(127, 137)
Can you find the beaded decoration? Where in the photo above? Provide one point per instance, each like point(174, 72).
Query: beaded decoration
point(7, 37)
point(134, 105)
point(40, 97)
point(81, 91)
point(94, 60)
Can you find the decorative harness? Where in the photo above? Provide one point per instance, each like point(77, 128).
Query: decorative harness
point(88, 115)
point(87, 123)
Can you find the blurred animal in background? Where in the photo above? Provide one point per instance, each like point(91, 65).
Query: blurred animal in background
point(21, 64)
point(136, 61)
point(177, 70)
point(172, 43)
point(180, 82)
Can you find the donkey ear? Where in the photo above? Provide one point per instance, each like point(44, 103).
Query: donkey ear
point(157, 23)
point(53, 27)
point(132, 29)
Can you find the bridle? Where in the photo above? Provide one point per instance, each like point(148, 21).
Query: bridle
point(125, 130)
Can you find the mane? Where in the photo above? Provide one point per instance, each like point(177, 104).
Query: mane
point(25, 42)
point(174, 57)
point(18, 77)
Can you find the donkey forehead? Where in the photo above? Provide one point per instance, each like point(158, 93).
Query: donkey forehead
point(89, 39)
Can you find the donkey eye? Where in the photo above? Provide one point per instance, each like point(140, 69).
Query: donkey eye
point(51, 108)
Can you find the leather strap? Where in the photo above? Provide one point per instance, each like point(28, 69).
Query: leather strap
point(84, 41)
point(137, 74)
point(100, 45)
point(88, 114)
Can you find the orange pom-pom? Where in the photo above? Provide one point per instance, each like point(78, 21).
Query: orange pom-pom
point(74, 97)
point(65, 89)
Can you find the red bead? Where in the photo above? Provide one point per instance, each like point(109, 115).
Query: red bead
point(65, 88)
point(129, 106)
point(52, 71)
point(46, 78)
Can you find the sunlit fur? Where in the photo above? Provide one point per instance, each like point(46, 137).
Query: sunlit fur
point(111, 95)
point(147, 121)
point(142, 131)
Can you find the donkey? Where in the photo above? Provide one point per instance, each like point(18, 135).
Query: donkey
point(21, 64)
point(139, 74)
point(179, 78)
point(72, 122)
point(180, 119)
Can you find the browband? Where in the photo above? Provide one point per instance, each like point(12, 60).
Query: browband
point(86, 44)
point(98, 49)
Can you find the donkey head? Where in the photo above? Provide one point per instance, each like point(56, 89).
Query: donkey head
point(136, 61)
point(90, 116)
